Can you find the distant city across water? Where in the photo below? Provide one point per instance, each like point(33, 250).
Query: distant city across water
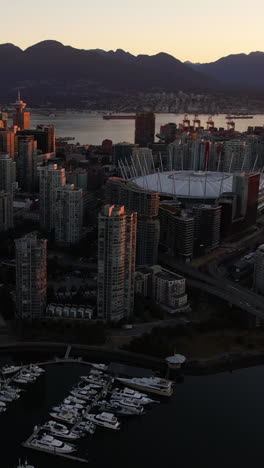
point(90, 128)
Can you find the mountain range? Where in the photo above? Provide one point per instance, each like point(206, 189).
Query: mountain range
point(50, 71)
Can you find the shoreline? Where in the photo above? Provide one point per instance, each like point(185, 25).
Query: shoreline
point(226, 362)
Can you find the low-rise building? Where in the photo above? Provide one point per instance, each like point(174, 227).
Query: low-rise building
point(163, 286)
point(70, 311)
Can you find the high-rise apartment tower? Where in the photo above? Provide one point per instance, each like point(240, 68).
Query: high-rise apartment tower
point(31, 276)
point(116, 263)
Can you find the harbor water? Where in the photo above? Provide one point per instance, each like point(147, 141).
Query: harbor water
point(90, 128)
point(210, 421)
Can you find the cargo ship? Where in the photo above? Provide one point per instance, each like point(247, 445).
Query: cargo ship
point(239, 116)
point(119, 117)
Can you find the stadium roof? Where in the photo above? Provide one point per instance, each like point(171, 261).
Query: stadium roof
point(184, 184)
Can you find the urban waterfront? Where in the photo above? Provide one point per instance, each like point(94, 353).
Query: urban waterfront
point(210, 421)
point(90, 128)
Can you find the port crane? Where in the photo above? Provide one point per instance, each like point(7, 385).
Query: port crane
point(196, 122)
point(186, 122)
point(231, 125)
point(210, 123)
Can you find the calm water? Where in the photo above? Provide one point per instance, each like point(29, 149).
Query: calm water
point(211, 421)
point(90, 128)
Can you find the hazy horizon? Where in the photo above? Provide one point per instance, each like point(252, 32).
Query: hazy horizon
point(204, 31)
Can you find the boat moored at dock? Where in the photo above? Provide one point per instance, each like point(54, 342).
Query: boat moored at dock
point(51, 444)
point(107, 420)
point(156, 385)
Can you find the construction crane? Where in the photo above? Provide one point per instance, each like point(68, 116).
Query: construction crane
point(186, 122)
point(231, 125)
point(210, 123)
point(196, 121)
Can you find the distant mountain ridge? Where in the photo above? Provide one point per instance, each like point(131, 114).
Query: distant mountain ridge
point(237, 69)
point(53, 72)
point(52, 69)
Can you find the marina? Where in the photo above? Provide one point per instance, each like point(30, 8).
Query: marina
point(92, 403)
point(165, 432)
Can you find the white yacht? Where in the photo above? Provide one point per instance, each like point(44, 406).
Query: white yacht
point(53, 445)
point(149, 384)
point(118, 408)
point(82, 394)
point(102, 367)
point(36, 369)
point(75, 400)
point(19, 380)
point(92, 379)
point(64, 416)
point(133, 395)
point(74, 405)
point(107, 420)
point(12, 389)
point(90, 388)
point(69, 408)
point(6, 370)
point(88, 427)
point(126, 403)
point(61, 431)
point(8, 396)
point(96, 372)
point(28, 376)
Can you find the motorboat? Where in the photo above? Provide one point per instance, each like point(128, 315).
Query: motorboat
point(8, 396)
point(96, 372)
point(10, 388)
point(92, 389)
point(82, 394)
point(61, 431)
point(6, 370)
point(88, 427)
point(93, 382)
point(19, 380)
point(53, 445)
point(64, 416)
point(149, 384)
point(27, 376)
point(117, 408)
point(35, 371)
point(35, 368)
point(70, 408)
point(72, 404)
point(133, 395)
point(75, 400)
point(127, 403)
point(102, 367)
point(107, 420)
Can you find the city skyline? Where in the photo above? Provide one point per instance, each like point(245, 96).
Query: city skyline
point(197, 27)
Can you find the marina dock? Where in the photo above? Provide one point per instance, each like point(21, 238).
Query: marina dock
point(27, 444)
point(98, 396)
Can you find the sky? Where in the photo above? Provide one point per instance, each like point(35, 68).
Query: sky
point(195, 30)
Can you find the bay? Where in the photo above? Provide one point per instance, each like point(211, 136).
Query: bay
point(90, 128)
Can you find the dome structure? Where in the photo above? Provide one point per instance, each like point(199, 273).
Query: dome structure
point(187, 184)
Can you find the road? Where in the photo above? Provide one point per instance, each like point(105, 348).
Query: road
point(223, 288)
